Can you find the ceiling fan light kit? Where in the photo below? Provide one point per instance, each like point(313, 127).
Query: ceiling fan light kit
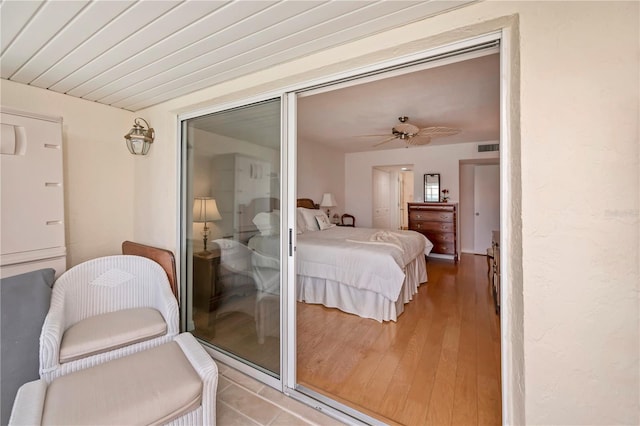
point(413, 135)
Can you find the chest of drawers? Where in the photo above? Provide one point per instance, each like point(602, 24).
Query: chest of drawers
point(438, 222)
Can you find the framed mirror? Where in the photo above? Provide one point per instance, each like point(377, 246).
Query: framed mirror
point(432, 188)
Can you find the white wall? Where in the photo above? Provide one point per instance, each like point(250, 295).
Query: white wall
point(443, 159)
point(573, 340)
point(99, 184)
point(320, 170)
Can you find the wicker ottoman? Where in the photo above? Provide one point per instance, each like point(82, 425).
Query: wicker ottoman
point(174, 383)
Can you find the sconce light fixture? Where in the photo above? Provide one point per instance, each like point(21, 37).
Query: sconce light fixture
point(139, 138)
point(205, 210)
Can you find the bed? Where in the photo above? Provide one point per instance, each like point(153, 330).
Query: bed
point(371, 273)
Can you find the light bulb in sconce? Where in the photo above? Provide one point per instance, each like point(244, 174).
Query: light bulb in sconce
point(205, 210)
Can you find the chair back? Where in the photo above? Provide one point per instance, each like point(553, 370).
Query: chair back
point(164, 257)
point(109, 284)
point(348, 220)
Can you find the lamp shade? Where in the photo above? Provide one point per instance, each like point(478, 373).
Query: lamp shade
point(328, 200)
point(205, 209)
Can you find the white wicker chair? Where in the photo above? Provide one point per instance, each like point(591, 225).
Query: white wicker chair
point(102, 286)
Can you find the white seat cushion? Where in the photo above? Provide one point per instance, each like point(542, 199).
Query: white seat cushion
point(154, 386)
point(113, 330)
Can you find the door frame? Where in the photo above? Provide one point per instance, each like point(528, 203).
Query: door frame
point(512, 309)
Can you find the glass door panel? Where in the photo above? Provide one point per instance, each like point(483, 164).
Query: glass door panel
point(233, 206)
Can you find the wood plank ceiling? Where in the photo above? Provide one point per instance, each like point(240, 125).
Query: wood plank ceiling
point(134, 54)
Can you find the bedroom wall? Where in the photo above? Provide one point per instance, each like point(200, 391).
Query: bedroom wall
point(443, 159)
point(321, 169)
point(572, 342)
point(99, 171)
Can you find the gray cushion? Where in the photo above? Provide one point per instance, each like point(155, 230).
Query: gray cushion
point(24, 304)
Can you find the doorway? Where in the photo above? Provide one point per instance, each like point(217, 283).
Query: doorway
point(288, 369)
point(392, 190)
point(479, 204)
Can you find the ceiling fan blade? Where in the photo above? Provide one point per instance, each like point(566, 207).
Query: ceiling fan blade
point(418, 140)
point(389, 139)
point(437, 131)
point(369, 136)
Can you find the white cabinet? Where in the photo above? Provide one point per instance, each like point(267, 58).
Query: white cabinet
point(236, 181)
point(32, 193)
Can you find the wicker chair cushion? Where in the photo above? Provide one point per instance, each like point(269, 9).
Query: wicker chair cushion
point(149, 387)
point(103, 333)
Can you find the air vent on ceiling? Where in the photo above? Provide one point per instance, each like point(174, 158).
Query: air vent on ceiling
point(489, 147)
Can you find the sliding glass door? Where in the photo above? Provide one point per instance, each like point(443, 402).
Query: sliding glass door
point(232, 241)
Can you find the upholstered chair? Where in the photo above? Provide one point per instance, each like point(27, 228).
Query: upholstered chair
point(104, 309)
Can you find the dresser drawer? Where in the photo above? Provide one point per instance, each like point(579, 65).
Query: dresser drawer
point(444, 248)
point(440, 237)
point(420, 225)
point(416, 215)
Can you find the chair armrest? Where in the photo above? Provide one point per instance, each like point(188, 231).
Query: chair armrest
point(51, 335)
point(166, 303)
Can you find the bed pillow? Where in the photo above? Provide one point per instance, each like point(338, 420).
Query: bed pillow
point(300, 225)
point(323, 222)
point(268, 223)
point(309, 218)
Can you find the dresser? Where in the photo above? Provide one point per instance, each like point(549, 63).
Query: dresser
point(438, 222)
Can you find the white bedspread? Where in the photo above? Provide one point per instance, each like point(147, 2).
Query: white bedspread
point(361, 257)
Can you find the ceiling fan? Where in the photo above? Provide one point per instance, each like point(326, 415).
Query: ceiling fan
point(413, 135)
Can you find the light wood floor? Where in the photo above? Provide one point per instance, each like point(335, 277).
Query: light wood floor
point(439, 364)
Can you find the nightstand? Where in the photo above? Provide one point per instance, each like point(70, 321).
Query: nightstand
point(205, 276)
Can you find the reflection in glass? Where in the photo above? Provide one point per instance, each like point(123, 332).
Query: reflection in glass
point(234, 160)
point(432, 188)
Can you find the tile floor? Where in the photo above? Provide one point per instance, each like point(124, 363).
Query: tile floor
point(242, 400)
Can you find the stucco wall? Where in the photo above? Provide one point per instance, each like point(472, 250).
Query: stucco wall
point(98, 169)
point(573, 342)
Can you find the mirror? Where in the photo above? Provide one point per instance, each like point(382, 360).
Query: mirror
point(432, 188)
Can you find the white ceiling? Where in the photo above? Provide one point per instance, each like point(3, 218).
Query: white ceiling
point(134, 54)
point(463, 93)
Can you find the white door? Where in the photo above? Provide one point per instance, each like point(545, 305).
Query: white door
point(487, 205)
point(381, 199)
point(406, 196)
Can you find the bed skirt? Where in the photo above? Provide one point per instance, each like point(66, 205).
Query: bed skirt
point(364, 303)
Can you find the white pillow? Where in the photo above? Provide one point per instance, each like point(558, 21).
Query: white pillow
point(300, 224)
point(323, 222)
point(268, 223)
point(309, 218)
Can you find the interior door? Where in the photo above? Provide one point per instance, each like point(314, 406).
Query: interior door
point(487, 205)
point(381, 199)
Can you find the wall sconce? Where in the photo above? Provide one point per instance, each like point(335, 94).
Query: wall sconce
point(205, 210)
point(139, 139)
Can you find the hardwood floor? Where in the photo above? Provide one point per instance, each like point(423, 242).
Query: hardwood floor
point(439, 364)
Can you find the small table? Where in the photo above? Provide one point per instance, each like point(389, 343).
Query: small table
point(205, 276)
